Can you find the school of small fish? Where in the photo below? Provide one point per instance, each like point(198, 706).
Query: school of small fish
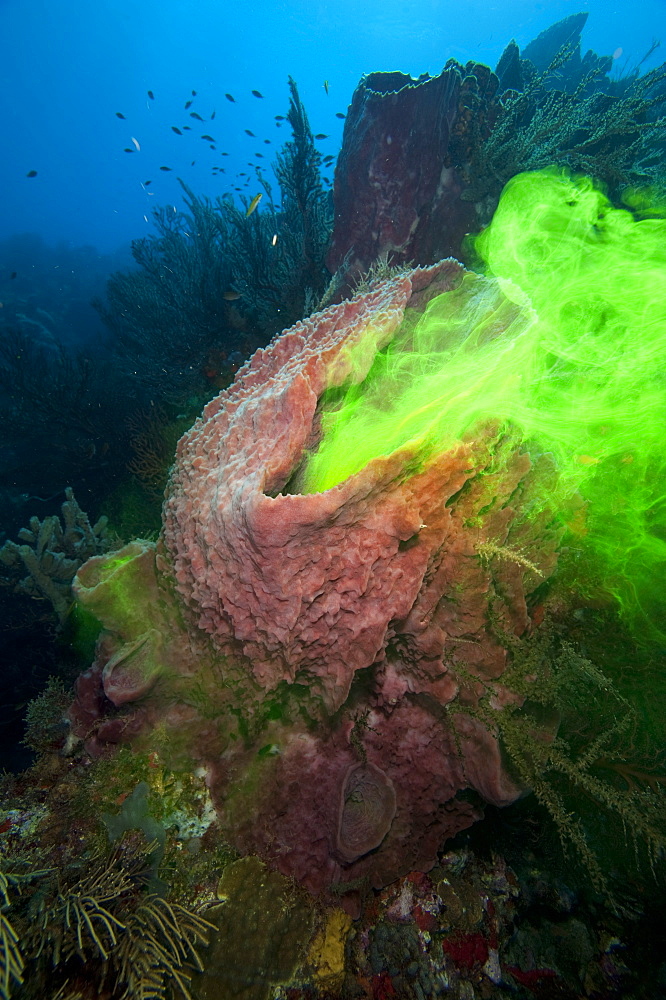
point(327, 161)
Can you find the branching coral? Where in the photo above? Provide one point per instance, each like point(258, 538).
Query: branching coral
point(307, 210)
point(556, 751)
point(11, 959)
point(53, 551)
point(95, 916)
point(153, 439)
point(588, 130)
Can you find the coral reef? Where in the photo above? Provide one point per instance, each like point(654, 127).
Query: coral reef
point(335, 608)
point(264, 924)
point(385, 550)
point(501, 911)
point(348, 616)
point(53, 551)
point(95, 920)
point(83, 917)
point(423, 161)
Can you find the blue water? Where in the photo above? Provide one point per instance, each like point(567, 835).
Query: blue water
point(69, 67)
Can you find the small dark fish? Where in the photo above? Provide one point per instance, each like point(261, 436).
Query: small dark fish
point(320, 135)
point(187, 128)
point(192, 163)
point(176, 130)
point(208, 138)
point(253, 204)
point(255, 93)
point(194, 93)
point(230, 294)
point(12, 275)
point(193, 114)
point(267, 141)
point(326, 180)
point(119, 115)
point(247, 132)
point(165, 168)
point(213, 147)
point(188, 104)
point(326, 87)
point(242, 174)
point(151, 95)
point(280, 118)
point(31, 173)
point(146, 183)
point(212, 116)
point(339, 114)
point(128, 150)
point(224, 154)
point(260, 155)
point(230, 98)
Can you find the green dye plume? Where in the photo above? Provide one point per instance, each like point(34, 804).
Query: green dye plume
point(567, 348)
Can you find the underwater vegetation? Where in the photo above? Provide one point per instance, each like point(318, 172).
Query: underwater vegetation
point(355, 604)
point(85, 910)
point(138, 942)
point(404, 578)
point(220, 278)
point(278, 255)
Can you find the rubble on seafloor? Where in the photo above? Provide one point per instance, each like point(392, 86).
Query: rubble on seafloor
point(470, 929)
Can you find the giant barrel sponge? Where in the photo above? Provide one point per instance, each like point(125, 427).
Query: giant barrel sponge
point(355, 532)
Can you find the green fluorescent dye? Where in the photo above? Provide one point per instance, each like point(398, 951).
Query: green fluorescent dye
point(568, 348)
point(114, 563)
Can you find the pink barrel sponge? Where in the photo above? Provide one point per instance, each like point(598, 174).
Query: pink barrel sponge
point(353, 631)
point(310, 589)
point(304, 587)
